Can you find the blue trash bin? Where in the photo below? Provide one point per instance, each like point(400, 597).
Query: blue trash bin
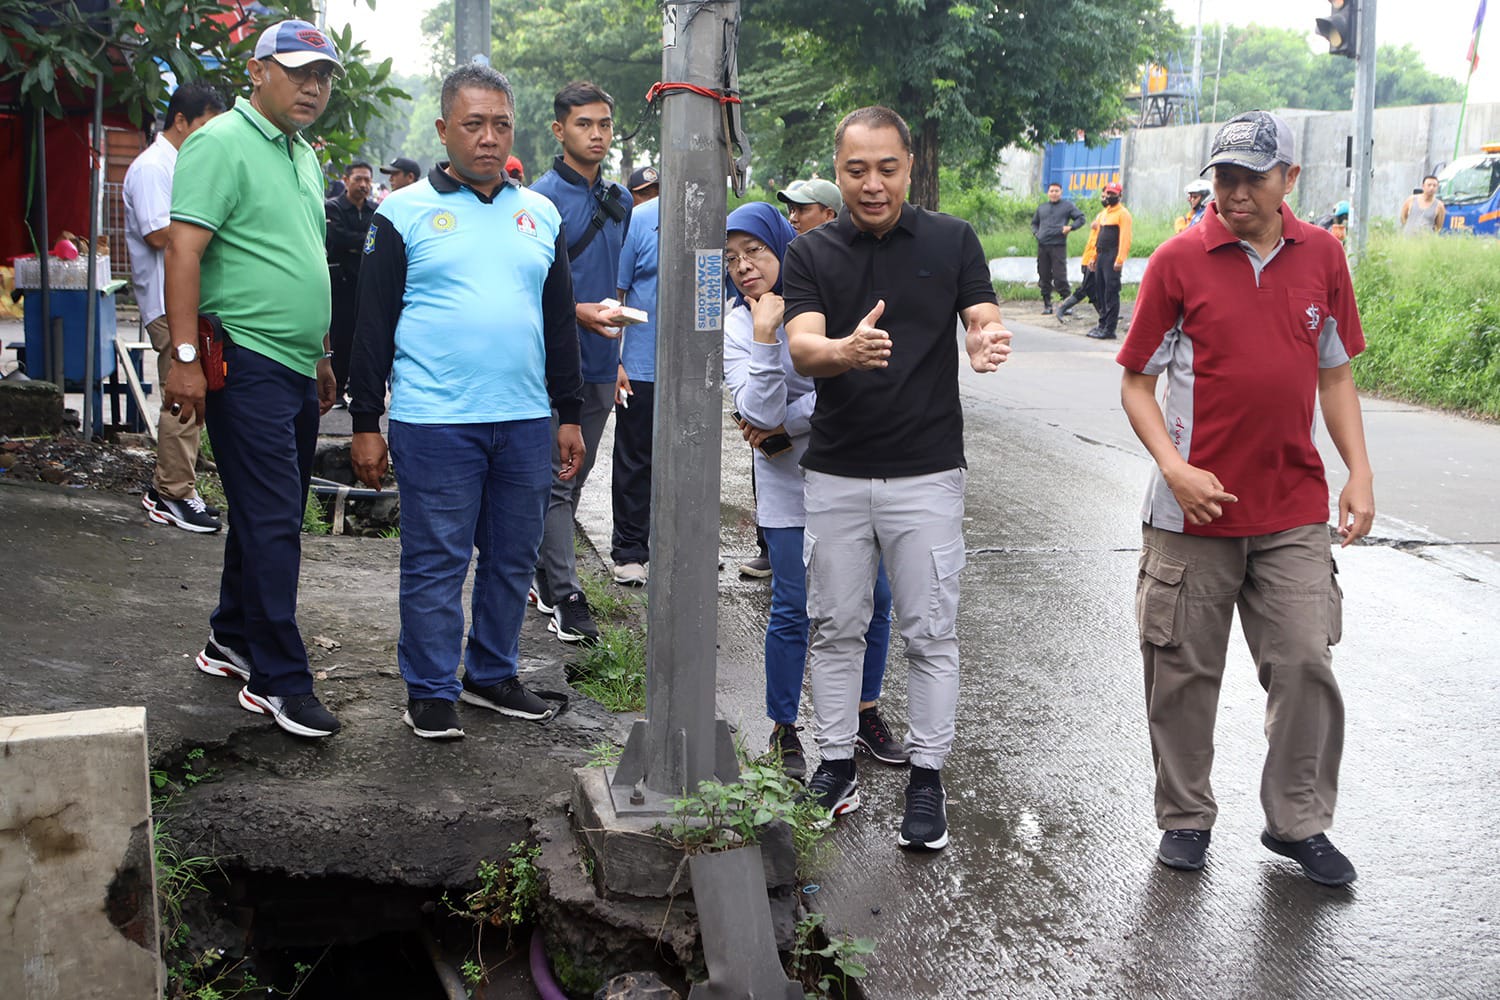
point(71, 306)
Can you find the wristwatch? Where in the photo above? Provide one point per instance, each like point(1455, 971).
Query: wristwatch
point(185, 353)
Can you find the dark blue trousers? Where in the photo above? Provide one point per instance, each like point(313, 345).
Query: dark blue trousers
point(264, 428)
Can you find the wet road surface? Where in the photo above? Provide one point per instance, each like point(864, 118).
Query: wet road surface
point(1050, 887)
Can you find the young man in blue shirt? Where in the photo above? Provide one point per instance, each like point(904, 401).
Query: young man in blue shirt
point(595, 216)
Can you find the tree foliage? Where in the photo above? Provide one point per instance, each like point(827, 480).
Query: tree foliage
point(1276, 68)
point(51, 52)
point(974, 77)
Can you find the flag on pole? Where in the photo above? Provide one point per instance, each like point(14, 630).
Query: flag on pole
point(1473, 57)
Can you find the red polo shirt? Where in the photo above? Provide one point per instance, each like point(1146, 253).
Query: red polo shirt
point(1241, 341)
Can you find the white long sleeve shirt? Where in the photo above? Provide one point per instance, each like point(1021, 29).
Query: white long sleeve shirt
point(768, 392)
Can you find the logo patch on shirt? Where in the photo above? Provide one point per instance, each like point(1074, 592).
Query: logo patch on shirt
point(370, 239)
point(444, 222)
point(525, 223)
point(1314, 317)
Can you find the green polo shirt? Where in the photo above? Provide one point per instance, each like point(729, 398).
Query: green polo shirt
point(260, 192)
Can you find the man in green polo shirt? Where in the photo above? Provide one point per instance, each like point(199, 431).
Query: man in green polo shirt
point(245, 245)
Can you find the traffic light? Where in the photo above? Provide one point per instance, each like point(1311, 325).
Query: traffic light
point(1340, 27)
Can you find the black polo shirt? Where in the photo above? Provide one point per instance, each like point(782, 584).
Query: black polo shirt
point(904, 419)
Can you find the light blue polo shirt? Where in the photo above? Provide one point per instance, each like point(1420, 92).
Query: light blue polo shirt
point(459, 359)
point(638, 279)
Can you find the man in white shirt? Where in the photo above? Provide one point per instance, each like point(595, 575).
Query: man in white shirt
point(171, 497)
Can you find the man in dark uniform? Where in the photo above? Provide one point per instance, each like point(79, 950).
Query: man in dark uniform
point(349, 216)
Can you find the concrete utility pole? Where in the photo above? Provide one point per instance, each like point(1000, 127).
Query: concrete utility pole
point(471, 32)
point(681, 742)
point(1364, 131)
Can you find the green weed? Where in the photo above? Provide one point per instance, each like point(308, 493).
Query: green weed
point(313, 518)
point(613, 670)
point(506, 898)
point(604, 754)
point(720, 816)
point(608, 601)
point(826, 970)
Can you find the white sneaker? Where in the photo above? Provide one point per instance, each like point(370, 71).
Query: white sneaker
point(631, 574)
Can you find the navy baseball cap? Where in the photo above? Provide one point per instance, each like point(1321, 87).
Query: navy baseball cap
point(642, 177)
point(1255, 140)
point(297, 43)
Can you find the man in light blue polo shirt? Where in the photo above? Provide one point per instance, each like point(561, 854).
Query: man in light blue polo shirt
point(466, 306)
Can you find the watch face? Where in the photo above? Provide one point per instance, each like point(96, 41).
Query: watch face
point(186, 353)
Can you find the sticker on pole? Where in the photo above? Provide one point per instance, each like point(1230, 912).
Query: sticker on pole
point(708, 290)
point(669, 27)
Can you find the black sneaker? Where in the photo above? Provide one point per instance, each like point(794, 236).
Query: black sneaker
point(537, 596)
point(834, 793)
point(924, 824)
point(759, 567)
point(1184, 849)
point(1098, 334)
point(1320, 860)
point(787, 748)
point(875, 739)
point(433, 719)
point(1046, 309)
point(572, 622)
point(221, 661)
point(298, 714)
point(509, 697)
point(189, 515)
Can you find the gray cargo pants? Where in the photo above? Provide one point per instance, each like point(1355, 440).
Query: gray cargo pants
point(916, 524)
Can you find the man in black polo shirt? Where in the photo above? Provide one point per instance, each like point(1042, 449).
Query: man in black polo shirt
point(870, 306)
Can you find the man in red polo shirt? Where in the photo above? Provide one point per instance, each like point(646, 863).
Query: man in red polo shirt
point(1251, 316)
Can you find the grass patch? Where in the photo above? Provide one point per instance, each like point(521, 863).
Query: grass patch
point(609, 601)
point(314, 520)
point(613, 670)
point(1432, 322)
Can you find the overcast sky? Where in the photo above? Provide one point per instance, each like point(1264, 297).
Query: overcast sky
point(1439, 29)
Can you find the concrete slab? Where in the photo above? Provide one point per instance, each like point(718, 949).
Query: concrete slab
point(77, 877)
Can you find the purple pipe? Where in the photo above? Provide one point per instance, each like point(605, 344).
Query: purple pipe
point(541, 970)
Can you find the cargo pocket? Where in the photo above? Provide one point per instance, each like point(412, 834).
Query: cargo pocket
point(1158, 598)
point(1335, 606)
point(948, 560)
point(815, 585)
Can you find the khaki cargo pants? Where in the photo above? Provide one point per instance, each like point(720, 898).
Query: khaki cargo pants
point(176, 442)
point(1291, 609)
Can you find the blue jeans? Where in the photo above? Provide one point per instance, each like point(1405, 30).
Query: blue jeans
point(467, 486)
point(787, 631)
point(264, 429)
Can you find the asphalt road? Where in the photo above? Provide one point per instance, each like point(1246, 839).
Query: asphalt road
point(1050, 887)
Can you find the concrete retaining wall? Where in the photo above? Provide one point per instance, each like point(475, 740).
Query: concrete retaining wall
point(77, 880)
point(1409, 142)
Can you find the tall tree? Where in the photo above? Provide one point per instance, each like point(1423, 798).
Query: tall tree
point(972, 78)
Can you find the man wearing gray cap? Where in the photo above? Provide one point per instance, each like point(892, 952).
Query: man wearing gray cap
point(1251, 316)
point(809, 204)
